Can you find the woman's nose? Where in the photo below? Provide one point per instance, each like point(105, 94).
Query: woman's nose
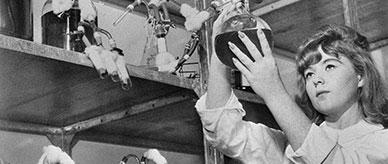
point(318, 80)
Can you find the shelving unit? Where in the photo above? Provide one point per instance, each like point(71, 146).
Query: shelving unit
point(58, 90)
point(54, 92)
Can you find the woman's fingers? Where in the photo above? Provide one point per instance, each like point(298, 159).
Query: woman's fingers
point(243, 58)
point(266, 49)
point(241, 68)
point(250, 46)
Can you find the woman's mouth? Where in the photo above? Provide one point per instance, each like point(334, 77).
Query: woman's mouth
point(319, 93)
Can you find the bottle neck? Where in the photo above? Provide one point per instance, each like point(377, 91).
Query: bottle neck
point(162, 45)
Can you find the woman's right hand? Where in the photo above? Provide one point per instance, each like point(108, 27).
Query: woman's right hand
point(262, 74)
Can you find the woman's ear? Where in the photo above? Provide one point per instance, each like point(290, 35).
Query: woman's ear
point(361, 81)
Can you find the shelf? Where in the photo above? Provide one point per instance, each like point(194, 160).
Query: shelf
point(48, 90)
point(36, 49)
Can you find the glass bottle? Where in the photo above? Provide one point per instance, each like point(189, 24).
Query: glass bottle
point(240, 19)
point(60, 30)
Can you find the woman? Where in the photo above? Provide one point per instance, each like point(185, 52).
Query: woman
point(342, 116)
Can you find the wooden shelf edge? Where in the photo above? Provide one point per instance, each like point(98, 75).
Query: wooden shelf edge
point(163, 77)
point(28, 128)
point(379, 44)
point(121, 114)
point(37, 49)
point(50, 52)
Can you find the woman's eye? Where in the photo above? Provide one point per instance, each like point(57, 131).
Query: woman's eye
point(308, 75)
point(329, 67)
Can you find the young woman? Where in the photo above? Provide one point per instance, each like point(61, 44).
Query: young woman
point(340, 119)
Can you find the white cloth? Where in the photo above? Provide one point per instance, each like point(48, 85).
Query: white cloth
point(54, 155)
point(362, 143)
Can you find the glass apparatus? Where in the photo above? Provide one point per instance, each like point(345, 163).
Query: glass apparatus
point(61, 30)
point(240, 19)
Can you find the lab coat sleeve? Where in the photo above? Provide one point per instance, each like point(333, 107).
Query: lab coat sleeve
point(243, 140)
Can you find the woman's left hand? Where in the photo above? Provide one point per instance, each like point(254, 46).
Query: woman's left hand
point(262, 74)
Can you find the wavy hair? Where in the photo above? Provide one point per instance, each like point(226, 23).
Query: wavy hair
point(336, 40)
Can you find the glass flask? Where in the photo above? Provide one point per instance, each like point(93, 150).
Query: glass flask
point(240, 19)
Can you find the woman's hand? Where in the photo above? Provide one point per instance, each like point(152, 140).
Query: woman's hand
point(262, 74)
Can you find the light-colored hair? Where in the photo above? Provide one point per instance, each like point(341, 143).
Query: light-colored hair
point(343, 41)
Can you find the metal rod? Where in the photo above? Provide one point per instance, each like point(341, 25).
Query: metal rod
point(127, 10)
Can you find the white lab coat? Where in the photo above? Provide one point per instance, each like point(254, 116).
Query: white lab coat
point(362, 143)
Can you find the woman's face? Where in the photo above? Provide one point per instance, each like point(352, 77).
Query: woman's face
point(332, 85)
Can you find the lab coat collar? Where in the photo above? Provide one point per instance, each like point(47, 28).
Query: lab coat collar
point(351, 133)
